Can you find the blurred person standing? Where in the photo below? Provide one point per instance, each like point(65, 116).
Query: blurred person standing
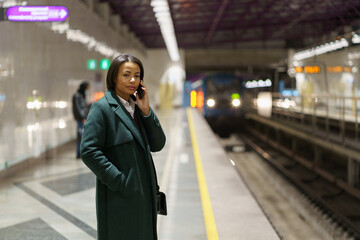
point(119, 134)
point(80, 111)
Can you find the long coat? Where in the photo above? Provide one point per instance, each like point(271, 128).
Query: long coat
point(117, 150)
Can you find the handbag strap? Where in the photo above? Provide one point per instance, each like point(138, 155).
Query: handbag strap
point(157, 184)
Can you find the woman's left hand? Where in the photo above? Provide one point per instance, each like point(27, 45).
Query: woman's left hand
point(143, 103)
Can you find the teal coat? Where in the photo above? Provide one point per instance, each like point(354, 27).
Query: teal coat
point(117, 150)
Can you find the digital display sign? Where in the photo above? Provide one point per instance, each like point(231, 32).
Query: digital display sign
point(37, 13)
point(317, 69)
point(347, 69)
point(307, 69)
point(339, 69)
point(311, 69)
point(298, 69)
point(335, 69)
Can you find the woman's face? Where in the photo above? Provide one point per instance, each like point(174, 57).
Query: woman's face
point(127, 80)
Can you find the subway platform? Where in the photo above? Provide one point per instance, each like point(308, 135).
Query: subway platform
point(206, 197)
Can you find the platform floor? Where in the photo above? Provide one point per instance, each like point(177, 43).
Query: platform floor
point(206, 197)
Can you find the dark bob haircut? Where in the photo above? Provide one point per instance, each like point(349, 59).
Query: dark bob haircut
point(114, 69)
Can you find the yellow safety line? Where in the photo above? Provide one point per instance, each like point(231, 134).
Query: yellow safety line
point(210, 224)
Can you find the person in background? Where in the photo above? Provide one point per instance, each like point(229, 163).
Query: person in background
point(119, 134)
point(80, 111)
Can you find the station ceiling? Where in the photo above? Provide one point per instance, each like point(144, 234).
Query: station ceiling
point(218, 24)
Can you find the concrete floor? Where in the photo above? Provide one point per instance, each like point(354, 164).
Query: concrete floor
point(56, 199)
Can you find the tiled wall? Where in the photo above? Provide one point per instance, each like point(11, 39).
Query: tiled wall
point(34, 58)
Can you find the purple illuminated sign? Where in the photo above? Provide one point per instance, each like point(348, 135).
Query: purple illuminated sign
point(37, 13)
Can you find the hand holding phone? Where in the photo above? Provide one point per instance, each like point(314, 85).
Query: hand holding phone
point(140, 91)
point(142, 99)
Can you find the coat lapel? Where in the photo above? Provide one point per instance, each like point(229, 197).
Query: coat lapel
point(124, 115)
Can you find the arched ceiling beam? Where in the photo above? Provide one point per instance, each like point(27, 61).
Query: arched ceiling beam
point(297, 20)
point(216, 21)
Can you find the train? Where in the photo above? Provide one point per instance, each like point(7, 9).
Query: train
point(219, 98)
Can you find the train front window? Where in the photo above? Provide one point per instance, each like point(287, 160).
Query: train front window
point(221, 85)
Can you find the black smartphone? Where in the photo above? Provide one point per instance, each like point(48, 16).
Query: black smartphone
point(140, 91)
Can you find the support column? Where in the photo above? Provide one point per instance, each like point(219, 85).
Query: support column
point(278, 136)
point(353, 172)
point(317, 155)
point(294, 145)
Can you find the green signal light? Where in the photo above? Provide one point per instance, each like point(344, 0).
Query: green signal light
point(235, 96)
point(104, 64)
point(91, 64)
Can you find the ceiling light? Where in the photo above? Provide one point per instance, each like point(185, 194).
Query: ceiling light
point(161, 9)
point(163, 17)
point(318, 50)
point(158, 3)
point(162, 14)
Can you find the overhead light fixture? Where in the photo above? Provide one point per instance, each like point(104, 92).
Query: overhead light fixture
point(318, 50)
point(163, 17)
point(90, 42)
point(158, 3)
point(355, 38)
point(162, 8)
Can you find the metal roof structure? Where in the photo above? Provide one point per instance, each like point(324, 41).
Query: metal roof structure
point(241, 23)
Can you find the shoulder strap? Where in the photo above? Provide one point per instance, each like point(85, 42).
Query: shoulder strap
point(157, 184)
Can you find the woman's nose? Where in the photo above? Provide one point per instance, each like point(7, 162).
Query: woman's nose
point(132, 79)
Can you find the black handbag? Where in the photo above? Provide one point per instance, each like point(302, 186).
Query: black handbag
point(160, 196)
point(161, 203)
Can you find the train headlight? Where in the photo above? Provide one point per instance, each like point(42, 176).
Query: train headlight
point(236, 102)
point(210, 102)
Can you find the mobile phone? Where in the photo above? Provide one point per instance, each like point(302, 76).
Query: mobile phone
point(140, 91)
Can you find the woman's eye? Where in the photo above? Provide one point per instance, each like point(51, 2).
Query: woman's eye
point(125, 75)
point(137, 76)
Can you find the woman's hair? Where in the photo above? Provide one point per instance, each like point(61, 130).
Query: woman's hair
point(114, 69)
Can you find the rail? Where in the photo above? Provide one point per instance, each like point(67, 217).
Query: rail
point(332, 111)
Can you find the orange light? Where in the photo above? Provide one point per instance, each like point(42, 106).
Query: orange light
point(193, 98)
point(298, 69)
point(347, 69)
point(334, 69)
point(312, 69)
point(200, 99)
point(98, 95)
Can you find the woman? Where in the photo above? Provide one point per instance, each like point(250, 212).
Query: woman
point(118, 136)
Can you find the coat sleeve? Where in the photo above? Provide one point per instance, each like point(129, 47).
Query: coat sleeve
point(92, 145)
point(154, 132)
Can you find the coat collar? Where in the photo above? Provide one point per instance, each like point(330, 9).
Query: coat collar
point(124, 115)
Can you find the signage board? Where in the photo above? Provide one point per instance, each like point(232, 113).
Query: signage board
point(37, 13)
point(104, 64)
point(91, 64)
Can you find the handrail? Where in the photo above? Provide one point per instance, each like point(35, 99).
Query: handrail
point(326, 106)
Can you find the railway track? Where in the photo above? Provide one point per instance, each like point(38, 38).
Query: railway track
point(328, 192)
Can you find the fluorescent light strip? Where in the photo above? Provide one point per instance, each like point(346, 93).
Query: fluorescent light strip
point(325, 48)
point(91, 43)
point(163, 17)
point(328, 47)
point(355, 39)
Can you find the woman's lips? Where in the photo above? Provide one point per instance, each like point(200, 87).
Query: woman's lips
point(131, 88)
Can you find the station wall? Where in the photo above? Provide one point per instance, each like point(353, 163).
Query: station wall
point(37, 62)
point(337, 76)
